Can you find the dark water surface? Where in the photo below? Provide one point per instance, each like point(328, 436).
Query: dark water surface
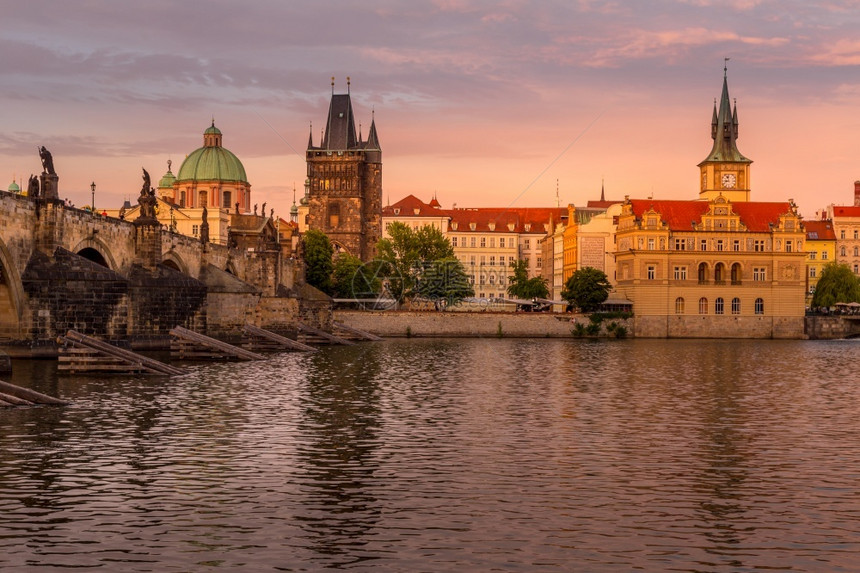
point(446, 455)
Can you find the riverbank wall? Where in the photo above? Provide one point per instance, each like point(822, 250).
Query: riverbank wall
point(391, 324)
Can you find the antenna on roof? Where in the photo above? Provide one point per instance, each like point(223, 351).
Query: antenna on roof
point(347, 85)
point(332, 85)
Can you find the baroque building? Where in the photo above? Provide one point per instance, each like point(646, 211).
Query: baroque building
point(719, 266)
point(343, 190)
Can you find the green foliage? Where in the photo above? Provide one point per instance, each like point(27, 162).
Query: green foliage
point(521, 286)
point(353, 279)
point(445, 282)
point(593, 329)
point(318, 260)
point(836, 284)
point(499, 332)
point(578, 330)
point(609, 315)
point(410, 253)
point(586, 288)
point(620, 331)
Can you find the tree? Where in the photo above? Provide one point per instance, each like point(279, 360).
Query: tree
point(521, 286)
point(407, 251)
point(445, 282)
point(586, 288)
point(318, 260)
point(836, 284)
point(353, 279)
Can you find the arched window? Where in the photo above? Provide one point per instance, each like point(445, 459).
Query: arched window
point(333, 215)
point(842, 251)
point(736, 305)
point(719, 306)
point(703, 305)
point(679, 305)
point(736, 274)
point(227, 200)
point(719, 273)
point(703, 273)
point(182, 198)
point(203, 197)
point(759, 306)
point(857, 251)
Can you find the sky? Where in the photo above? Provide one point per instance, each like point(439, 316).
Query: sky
point(480, 103)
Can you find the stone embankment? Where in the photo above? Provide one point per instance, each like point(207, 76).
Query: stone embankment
point(473, 324)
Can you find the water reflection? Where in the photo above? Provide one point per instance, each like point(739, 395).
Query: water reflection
point(446, 455)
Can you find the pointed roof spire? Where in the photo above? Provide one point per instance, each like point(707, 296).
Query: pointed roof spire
point(311, 137)
point(724, 128)
point(372, 137)
point(602, 195)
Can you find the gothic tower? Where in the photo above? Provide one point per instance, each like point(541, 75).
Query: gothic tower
point(344, 187)
point(725, 171)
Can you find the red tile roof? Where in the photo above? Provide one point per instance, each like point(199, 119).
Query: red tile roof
point(684, 215)
point(819, 230)
point(844, 211)
point(483, 217)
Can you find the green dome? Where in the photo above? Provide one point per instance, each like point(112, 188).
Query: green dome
point(212, 129)
point(212, 164)
point(167, 180)
point(13, 188)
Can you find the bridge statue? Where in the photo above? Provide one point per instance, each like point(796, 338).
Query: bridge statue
point(147, 199)
point(47, 161)
point(33, 187)
point(204, 227)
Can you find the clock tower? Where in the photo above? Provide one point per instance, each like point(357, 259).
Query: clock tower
point(725, 171)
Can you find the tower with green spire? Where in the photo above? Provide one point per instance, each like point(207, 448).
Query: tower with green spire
point(725, 171)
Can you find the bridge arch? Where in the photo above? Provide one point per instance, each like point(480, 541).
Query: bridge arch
point(11, 295)
point(95, 250)
point(174, 261)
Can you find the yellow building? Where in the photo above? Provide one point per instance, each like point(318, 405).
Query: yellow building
point(820, 250)
point(720, 266)
point(846, 226)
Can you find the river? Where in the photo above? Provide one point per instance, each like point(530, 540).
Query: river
point(446, 455)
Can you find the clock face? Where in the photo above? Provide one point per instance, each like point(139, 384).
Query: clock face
point(729, 180)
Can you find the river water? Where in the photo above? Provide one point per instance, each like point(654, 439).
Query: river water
point(446, 455)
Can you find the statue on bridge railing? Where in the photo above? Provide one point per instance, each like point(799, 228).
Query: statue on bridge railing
point(147, 199)
point(33, 187)
point(204, 226)
point(47, 161)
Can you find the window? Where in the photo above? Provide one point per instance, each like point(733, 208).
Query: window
point(857, 251)
point(812, 272)
point(703, 305)
point(680, 245)
point(483, 260)
point(501, 242)
point(842, 251)
point(473, 260)
point(652, 272)
point(703, 273)
point(539, 262)
point(526, 244)
point(679, 305)
point(823, 255)
point(736, 305)
point(473, 242)
point(492, 242)
point(719, 306)
point(736, 245)
point(492, 260)
point(811, 255)
point(759, 306)
point(842, 234)
point(483, 242)
point(228, 198)
point(703, 245)
point(759, 246)
point(719, 273)
point(855, 234)
point(182, 198)
point(492, 279)
point(194, 230)
point(202, 197)
point(651, 244)
point(453, 241)
point(719, 244)
point(736, 274)
point(759, 274)
point(680, 273)
point(856, 269)
point(788, 246)
point(333, 214)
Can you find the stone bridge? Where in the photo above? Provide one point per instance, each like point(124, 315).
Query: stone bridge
point(63, 268)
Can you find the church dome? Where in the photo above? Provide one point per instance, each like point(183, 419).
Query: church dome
point(211, 162)
point(13, 188)
point(167, 180)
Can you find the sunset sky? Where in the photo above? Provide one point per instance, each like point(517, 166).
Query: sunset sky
point(512, 103)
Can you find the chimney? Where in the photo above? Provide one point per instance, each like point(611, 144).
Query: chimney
point(857, 193)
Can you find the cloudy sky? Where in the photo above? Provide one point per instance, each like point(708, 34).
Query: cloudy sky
point(523, 103)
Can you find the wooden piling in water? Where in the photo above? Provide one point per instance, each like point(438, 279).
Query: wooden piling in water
point(187, 344)
point(17, 394)
point(82, 353)
point(261, 339)
point(322, 335)
point(355, 331)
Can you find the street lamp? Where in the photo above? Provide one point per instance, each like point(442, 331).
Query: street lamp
point(93, 200)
